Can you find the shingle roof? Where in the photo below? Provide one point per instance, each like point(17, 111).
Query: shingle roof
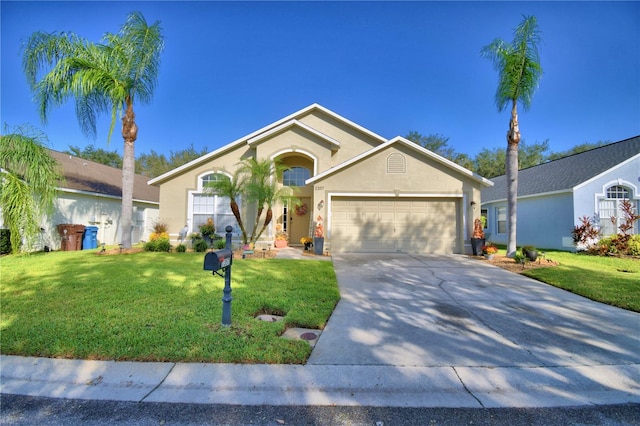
point(565, 173)
point(86, 175)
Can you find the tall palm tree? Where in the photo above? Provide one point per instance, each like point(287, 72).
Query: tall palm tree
point(29, 178)
point(519, 71)
point(101, 78)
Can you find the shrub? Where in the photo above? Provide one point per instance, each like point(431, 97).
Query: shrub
point(5, 241)
point(181, 248)
point(219, 244)
point(634, 245)
point(161, 244)
point(585, 235)
point(160, 231)
point(200, 245)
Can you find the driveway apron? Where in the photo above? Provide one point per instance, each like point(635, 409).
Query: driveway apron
point(439, 310)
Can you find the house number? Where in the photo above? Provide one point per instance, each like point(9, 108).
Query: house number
point(318, 188)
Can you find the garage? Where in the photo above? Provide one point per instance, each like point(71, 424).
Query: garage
point(408, 225)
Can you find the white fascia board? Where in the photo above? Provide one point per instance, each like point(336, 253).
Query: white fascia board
point(350, 123)
point(244, 139)
point(412, 145)
point(391, 194)
point(588, 181)
point(524, 197)
point(292, 123)
point(98, 195)
point(442, 160)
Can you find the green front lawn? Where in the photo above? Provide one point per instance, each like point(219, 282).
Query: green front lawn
point(611, 280)
point(159, 307)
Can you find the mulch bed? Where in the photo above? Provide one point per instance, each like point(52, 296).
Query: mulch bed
point(509, 264)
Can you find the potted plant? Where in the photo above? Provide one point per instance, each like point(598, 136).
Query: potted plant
point(208, 231)
point(530, 252)
point(318, 237)
point(488, 250)
point(307, 241)
point(477, 239)
point(281, 237)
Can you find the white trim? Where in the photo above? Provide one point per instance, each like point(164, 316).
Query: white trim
point(199, 186)
point(412, 145)
point(588, 181)
point(244, 139)
point(298, 151)
point(292, 123)
point(97, 194)
point(523, 197)
point(599, 196)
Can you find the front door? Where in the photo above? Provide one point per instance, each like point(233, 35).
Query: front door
point(299, 221)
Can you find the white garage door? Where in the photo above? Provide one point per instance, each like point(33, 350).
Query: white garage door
point(408, 225)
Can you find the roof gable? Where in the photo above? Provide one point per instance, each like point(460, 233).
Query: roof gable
point(564, 174)
point(82, 175)
point(412, 145)
point(256, 136)
point(288, 125)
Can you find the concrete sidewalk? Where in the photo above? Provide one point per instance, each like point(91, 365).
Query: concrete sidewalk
point(410, 331)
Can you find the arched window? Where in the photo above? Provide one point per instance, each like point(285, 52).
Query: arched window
point(205, 204)
point(295, 176)
point(610, 210)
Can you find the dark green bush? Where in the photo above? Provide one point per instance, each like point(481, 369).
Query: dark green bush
point(200, 245)
point(161, 244)
point(5, 241)
point(219, 244)
point(181, 248)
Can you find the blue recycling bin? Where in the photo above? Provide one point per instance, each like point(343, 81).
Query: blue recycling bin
point(90, 240)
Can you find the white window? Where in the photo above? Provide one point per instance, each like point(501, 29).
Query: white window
point(610, 209)
point(501, 220)
point(205, 204)
point(295, 176)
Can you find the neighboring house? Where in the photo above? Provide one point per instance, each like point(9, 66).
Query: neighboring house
point(371, 194)
point(553, 196)
point(91, 195)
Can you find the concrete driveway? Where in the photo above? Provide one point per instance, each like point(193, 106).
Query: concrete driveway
point(497, 329)
point(415, 310)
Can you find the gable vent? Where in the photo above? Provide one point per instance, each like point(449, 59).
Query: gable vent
point(396, 163)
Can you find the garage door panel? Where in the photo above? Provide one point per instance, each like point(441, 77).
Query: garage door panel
point(390, 225)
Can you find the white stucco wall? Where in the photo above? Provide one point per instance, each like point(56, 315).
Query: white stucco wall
point(92, 210)
point(589, 193)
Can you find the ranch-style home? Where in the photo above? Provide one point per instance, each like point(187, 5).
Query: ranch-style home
point(91, 195)
point(371, 194)
point(553, 196)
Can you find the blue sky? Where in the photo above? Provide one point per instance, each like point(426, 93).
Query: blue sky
point(230, 68)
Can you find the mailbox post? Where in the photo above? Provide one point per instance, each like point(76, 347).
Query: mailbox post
point(222, 259)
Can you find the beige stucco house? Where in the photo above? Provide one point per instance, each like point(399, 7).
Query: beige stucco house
point(371, 194)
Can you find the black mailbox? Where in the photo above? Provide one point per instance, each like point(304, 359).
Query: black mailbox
point(216, 260)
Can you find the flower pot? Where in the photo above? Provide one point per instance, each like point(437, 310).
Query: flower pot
point(532, 255)
point(280, 243)
point(488, 256)
point(476, 246)
point(318, 245)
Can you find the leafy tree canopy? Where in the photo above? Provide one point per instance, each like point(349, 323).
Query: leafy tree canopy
point(99, 155)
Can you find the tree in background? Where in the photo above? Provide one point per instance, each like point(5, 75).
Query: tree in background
point(519, 70)
point(100, 77)
point(28, 180)
point(98, 155)
point(154, 164)
point(576, 150)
